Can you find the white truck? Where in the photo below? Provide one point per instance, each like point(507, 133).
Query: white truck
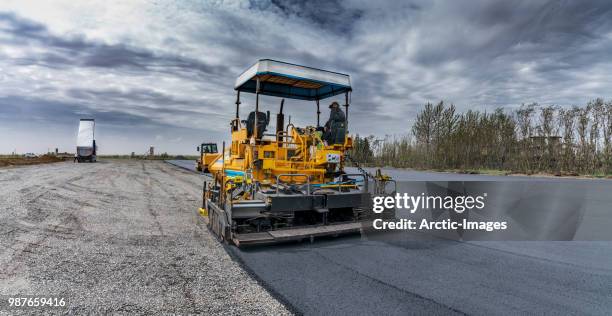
point(86, 143)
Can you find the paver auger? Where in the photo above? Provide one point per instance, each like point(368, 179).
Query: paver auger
point(291, 184)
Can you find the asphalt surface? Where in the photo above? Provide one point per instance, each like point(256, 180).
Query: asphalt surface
point(397, 275)
point(189, 165)
point(353, 276)
point(117, 237)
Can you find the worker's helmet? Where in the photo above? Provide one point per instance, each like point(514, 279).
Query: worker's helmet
point(334, 105)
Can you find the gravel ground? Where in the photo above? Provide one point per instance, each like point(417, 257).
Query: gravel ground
point(117, 237)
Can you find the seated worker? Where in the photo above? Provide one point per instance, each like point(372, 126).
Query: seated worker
point(335, 128)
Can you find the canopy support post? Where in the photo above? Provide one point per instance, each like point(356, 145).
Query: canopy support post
point(256, 107)
point(318, 114)
point(236, 122)
point(346, 106)
point(237, 104)
point(253, 140)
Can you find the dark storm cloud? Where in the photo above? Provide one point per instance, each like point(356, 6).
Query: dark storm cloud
point(36, 111)
point(546, 52)
point(143, 96)
point(149, 103)
point(26, 113)
point(553, 42)
point(117, 132)
point(77, 51)
point(21, 27)
point(246, 43)
point(329, 15)
point(522, 29)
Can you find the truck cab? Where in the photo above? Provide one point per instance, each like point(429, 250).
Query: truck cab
point(208, 153)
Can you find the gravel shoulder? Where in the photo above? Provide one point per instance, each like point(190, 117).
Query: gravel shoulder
point(118, 236)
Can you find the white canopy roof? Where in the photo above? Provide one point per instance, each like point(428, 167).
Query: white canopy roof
point(292, 81)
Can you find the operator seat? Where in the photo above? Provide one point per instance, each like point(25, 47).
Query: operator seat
point(263, 119)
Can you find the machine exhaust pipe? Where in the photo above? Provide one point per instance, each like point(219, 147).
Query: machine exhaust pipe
point(280, 123)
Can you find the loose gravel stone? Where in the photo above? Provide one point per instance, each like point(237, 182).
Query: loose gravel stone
point(117, 236)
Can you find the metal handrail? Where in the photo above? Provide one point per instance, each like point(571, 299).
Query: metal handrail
point(284, 134)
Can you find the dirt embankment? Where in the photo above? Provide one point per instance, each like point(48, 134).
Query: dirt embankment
point(20, 161)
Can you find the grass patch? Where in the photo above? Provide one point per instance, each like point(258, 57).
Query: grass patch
point(8, 160)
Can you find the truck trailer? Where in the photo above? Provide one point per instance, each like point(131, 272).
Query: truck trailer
point(86, 143)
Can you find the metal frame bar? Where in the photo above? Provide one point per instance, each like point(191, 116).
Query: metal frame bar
point(238, 104)
point(346, 106)
point(365, 179)
point(291, 175)
point(318, 114)
point(256, 108)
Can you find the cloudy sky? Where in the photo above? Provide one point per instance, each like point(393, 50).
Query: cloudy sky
point(161, 73)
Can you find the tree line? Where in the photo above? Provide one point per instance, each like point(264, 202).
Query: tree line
point(530, 139)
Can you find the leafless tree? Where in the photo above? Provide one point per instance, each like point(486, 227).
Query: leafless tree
point(530, 139)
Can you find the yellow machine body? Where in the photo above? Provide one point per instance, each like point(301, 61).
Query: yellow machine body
point(295, 151)
point(208, 154)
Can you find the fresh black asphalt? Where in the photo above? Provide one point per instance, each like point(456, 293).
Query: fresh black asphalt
point(397, 275)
